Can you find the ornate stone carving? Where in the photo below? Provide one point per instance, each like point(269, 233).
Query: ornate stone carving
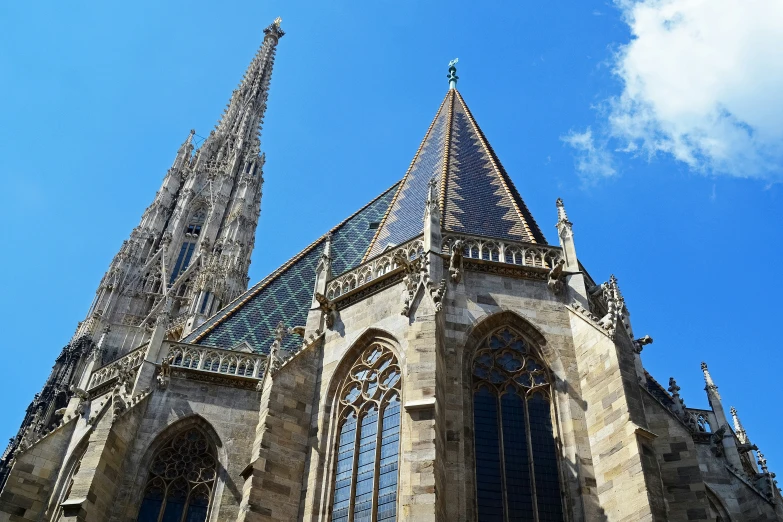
point(608, 296)
point(328, 309)
point(83, 396)
point(556, 277)
point(437, 292)
point(716, 441)
point(164, 373)
point(455, 260)
point(639, 344)
point(415, 272)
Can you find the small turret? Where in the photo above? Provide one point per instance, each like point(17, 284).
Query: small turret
point(565, 233)
point(742, 436)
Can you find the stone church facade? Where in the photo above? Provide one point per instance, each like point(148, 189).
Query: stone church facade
point(431, 357)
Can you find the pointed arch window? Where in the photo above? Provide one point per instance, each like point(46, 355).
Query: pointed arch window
point(189, 245)
point(517, 476)
point(181, 480)
point(368, 440)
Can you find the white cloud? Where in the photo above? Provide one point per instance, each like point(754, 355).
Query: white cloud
point(592, 161)
point(702, 81)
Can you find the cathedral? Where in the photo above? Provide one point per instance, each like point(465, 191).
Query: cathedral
point(433, 357)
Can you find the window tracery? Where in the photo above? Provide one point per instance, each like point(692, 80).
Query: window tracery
point(182, 477)
point(367, 453)
point(517, 474)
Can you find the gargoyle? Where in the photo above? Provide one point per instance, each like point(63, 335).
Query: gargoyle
point(298, 330)
point(716, 441)
point(164, 372)
point(125, 376)
point(328, 309)
point(555, 279)
point(455, 263)
point(639, 344)
point(82, 396)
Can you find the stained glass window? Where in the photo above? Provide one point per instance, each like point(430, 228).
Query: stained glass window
point(181, 479)
point(517, 476)
point(368, 443)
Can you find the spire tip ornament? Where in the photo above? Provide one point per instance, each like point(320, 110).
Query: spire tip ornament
point(452, 76)
point(274, 30)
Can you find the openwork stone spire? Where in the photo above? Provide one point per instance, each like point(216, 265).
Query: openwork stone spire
point(191, 250)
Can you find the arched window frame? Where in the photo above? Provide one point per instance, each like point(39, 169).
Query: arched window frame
point(161, 442)
point(533, 341)
point(345, 409)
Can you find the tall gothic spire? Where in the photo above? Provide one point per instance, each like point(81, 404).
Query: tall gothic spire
point(189, 255)
point(192, 248)
point(241, 121)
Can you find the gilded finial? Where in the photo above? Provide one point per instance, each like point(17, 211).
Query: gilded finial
point(452, 76)
point(278, 21)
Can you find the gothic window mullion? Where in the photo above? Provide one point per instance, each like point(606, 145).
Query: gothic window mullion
point(532, 465)
point(501, 452)
point(376, 482)
point(354, 467)
point(369, 405)
point(181, 469)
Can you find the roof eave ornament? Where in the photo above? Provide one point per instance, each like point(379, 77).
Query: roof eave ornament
point(452, 76)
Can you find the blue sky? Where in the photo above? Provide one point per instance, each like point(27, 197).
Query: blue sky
point(658, 123)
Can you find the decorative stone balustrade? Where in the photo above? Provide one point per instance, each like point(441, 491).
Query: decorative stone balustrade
point(109, 372)
point(510, 252)
point(373, 268)
point(216, 360)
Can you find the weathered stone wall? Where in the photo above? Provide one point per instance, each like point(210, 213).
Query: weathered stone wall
point(226, 414)
point(95, 485)
point(677, 457)
point(735, 492)
point(610, 415)
point(274, 481)
point(414, 340)
point(475, 307)
point(32, 479)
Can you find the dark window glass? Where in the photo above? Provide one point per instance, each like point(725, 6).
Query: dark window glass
point(516, 456)
point(390, 444)
point(204, 302)
point(181, 478)
point(544, 460)
point(365, 471)
point(516, 460)
point(488, 483)
point(178, 265)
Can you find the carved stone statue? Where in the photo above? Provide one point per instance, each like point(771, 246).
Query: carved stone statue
point(555, 278)
point(455, 263)
point(328, 309)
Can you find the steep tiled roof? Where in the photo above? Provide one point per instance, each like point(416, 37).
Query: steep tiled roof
point(286, 294)
point(477, 196)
